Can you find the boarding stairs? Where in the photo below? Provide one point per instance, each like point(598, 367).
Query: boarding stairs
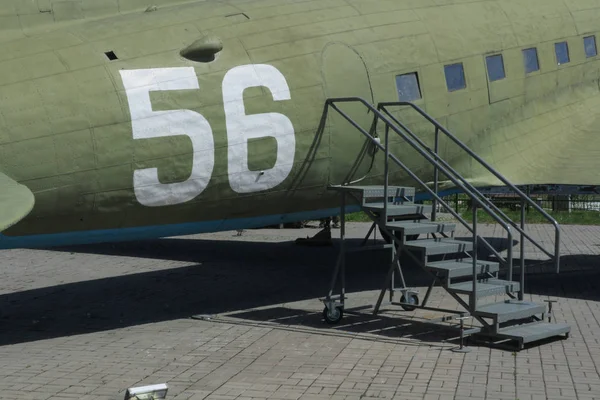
point(412, 230)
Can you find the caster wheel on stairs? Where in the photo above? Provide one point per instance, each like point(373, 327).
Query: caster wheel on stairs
point(333, 316)
point(412, 299)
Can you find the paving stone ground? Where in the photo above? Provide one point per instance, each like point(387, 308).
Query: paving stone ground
point(87, 322)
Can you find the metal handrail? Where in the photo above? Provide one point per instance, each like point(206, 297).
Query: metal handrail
point(466, 182)
point(389, 124)
point(383, 106)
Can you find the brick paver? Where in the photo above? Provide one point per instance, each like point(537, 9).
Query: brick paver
point(88, 322)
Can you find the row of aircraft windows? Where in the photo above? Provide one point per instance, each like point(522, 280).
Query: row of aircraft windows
point(409, 88)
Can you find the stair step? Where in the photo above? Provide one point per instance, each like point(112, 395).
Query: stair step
point(432, 247)
point(369, 248)
point(509, 310)
point(420, 227)
point(533, 332)
point(457, 268)
point(490, 287)
point(399, 209)
point(375, 190)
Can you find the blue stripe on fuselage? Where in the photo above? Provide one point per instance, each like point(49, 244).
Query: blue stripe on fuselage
point(158, 231)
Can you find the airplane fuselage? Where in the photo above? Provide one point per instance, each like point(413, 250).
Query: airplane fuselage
point(121, 137)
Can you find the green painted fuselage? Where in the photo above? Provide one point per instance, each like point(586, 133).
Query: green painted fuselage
point(94, 93)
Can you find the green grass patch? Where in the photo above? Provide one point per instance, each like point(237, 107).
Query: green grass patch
point(578, 217)
point(358, 217)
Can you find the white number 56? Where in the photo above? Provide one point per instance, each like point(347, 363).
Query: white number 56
point(148, 124)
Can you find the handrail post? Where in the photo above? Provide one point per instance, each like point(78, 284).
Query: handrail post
point(343, 249)
point(474, 257)
point(509, 256)
point(436, 173)
point(386, 173)
point(522, 249)
point(557, 250)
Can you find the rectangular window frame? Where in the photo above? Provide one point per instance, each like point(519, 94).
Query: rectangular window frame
point(537, 60)
point(418, 81)
point(593, 37)
point(464, 77)
point(487, 67)
point(566, 43)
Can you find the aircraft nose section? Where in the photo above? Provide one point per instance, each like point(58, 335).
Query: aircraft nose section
point(203, 50)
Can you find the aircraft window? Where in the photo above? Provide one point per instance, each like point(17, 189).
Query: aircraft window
point(562, 52)
point(455, 77)
point(408, 87)
point(495, 67)
point(590, 46)
point(530, 58)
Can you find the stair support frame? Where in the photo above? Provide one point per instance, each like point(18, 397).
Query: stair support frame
point(522, 251)
point(473, 299)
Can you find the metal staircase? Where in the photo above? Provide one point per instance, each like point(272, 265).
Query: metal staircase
point(451, 263)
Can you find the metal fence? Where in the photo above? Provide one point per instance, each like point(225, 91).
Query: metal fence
point(549, 202)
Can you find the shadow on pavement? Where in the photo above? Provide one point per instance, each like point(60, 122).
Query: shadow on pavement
point(223, 276)
point(392, 326)
point(583, 285)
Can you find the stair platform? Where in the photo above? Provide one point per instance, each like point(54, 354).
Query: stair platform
point(509, 310)
point(420, 227)
point(394, 210)
point(528, 333)
point(458, 268)
point(432, 247)
point(490, 287)
point(369, 248)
